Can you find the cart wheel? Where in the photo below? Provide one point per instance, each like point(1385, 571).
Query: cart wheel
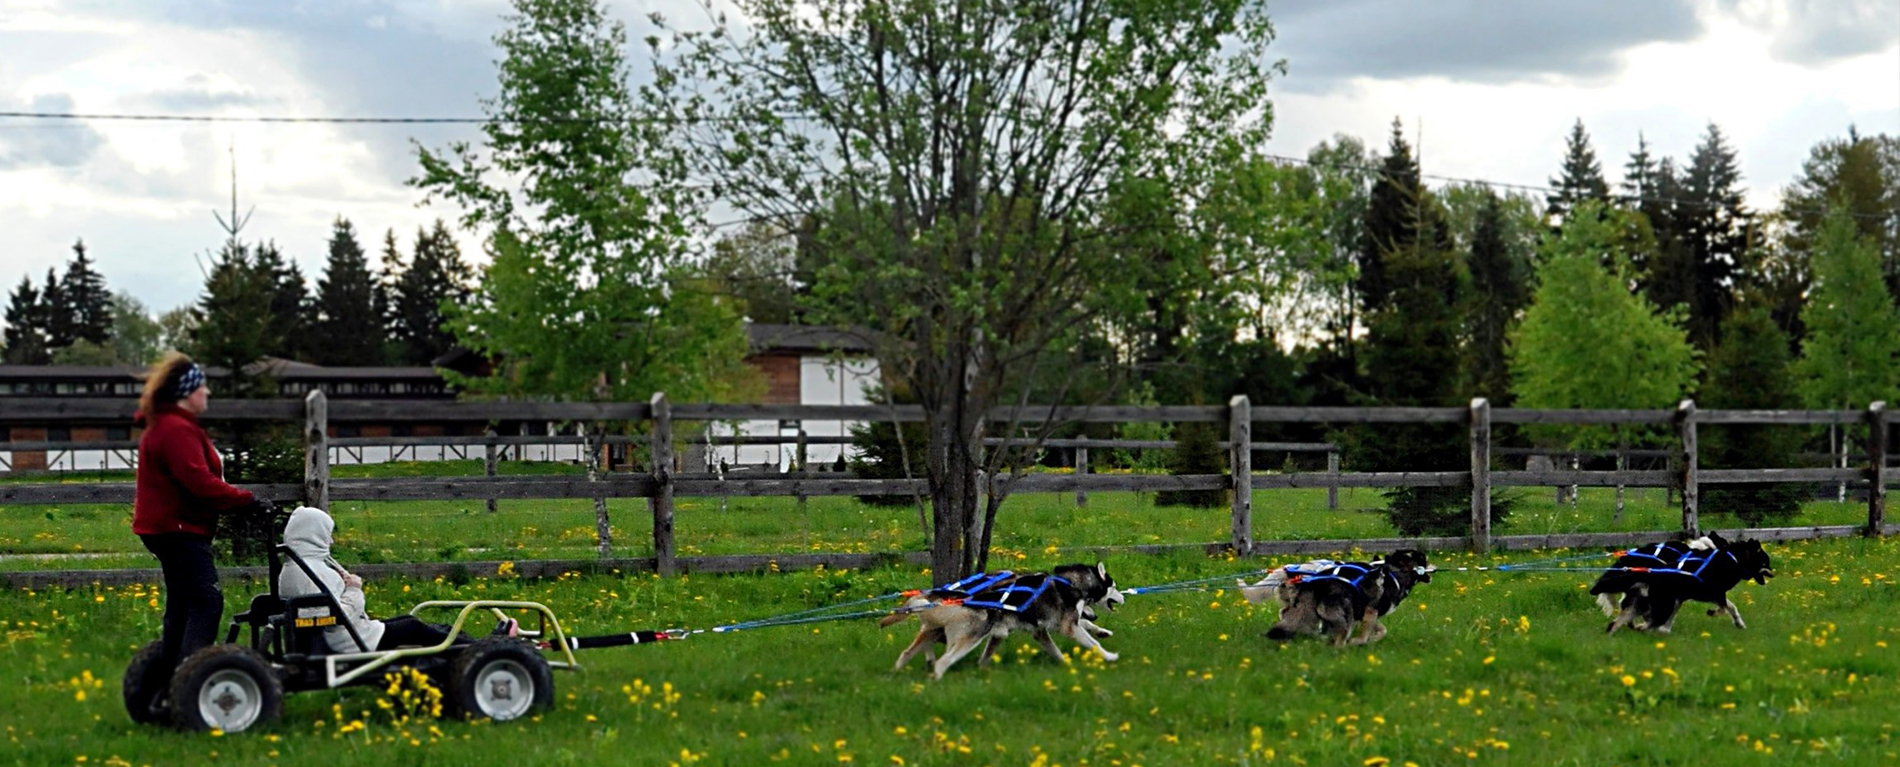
point(500, 678)
point(141, 689)
point(226, 687)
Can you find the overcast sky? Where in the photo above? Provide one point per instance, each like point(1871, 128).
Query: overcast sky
point(1494, 84)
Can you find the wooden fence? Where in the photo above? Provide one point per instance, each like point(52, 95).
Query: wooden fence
point(662, 484)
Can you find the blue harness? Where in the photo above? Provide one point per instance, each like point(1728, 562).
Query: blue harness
point(999, 591)
point(1686, 561)
point(1352, 573)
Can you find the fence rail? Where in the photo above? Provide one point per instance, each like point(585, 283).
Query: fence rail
point(661, 483)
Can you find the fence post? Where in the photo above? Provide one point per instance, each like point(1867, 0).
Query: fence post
point(1876, 467)
point(488, 462)
point(1240, 436)
point(1480, 474)
point(662, 500)
point(801, 456)
point(1332, 479)
point(1691, 495)
point(1081, 468)
point(316, 450)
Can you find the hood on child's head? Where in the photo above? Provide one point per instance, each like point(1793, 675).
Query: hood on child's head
point(309, 533)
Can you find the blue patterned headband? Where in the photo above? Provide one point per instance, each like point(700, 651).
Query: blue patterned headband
point(193, 378)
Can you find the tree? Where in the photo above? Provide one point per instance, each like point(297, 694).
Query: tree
point(234, 324)
point(346, 329)
point(759, 266)
point(1861, 172)
point(1392, 220)
point(1413, 355)
point(176, 327)
point(1500, 287)
point(1750, 371)
point(26, 334)
point(383, 301)
point(136, 337)
point(1588, 342)
point(960, 156)
point(1715, 229)
point(1581, 178)
point(289, 302)
point(587, 295)
point(1848, 358)
point(56, 313)
point(83, 290)
point(436, 281)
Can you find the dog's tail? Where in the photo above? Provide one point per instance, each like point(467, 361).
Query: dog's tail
point(1608, 603)
point(910, 607)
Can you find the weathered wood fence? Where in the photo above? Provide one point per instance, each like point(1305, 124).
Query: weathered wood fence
point(662, 483)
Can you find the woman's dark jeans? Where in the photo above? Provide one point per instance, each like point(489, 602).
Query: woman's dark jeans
point(194, 605)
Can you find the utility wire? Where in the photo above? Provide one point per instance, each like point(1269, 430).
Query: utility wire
point(1283, 159)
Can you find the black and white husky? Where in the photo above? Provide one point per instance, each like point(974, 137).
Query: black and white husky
point(1051, 603)
point(1648, 584)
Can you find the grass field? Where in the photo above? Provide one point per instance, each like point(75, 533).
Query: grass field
point(1479, 668)
point(96, 536)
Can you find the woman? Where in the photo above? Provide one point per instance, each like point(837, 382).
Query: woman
point(181, 490)
point(309, 535)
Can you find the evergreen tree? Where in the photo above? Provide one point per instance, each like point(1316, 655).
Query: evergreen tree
point(1715, 231)
point(235, 325)
point(348, 327)
point(86, 297)
point(56, 313)
point(289, 302)
point(1392, 220)
point(436, 277)
point(1750, 371)
point(25, 333)
point(1500, 286)
point(1413, 353)
point(1196, 451)
point(1848, 359)
point(1581, 178)
point(387, 296)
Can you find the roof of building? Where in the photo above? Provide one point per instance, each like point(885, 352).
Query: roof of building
point(766, 339)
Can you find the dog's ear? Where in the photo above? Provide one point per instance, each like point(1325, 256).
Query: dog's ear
point(1101, 570)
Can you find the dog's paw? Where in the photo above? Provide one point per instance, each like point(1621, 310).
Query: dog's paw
point(1109, 657)
point(1101, 632)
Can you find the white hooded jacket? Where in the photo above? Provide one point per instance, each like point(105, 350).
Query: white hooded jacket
point(308, 534)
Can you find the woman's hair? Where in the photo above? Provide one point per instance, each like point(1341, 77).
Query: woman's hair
point(161, 381)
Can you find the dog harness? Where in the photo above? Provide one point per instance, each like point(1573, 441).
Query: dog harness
point(1677, 560)
point(977, 582)
point(1352, 573)
point(1014, 597)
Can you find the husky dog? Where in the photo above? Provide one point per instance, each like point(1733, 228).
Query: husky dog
point(1045, 603)
point(1334, 600)
point(1655, 580)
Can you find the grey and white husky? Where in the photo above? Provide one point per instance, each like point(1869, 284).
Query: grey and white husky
point(1062, 604)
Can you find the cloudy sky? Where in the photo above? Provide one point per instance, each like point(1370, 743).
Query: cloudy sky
point(1494, 85)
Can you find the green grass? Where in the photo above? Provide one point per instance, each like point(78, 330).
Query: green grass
point(96, 536)
point(1479, 668)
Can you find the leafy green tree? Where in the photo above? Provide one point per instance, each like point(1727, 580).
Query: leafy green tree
point(1862, 172)
point(1581, 178)
point(1848, 358)
point(176, 327)
point(759, 266)
point(961, 157)
point(1750, 371)
point(83, 290)
point(347, 330)
point(587, 296)
point(435, 282)
point(136, 337)
point(26, 342)
point(1587, 342)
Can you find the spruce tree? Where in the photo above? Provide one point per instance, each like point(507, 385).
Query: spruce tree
point(1750, 371)
point(235, 325)
point(87, 300)
point(348, 329)
point(289, 302)
point(56, 313)
point(388, 295)
point(1196, 451)
point(1851, 355)
point(1392, 220)
point(436, 275)
point(1715, 232)
point(1500, 286)
point(1581, 178)
point(25, 333)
